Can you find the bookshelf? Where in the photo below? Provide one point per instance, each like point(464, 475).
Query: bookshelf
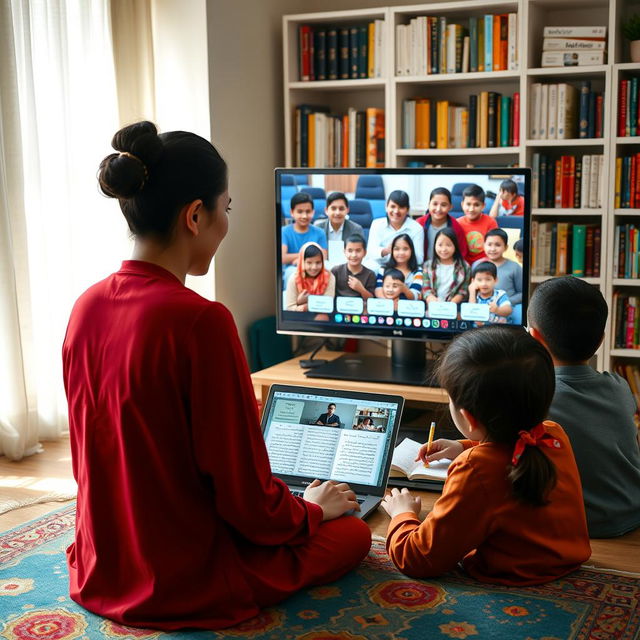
point(391, 90)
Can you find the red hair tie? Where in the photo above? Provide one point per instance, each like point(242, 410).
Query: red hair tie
point(533, 438)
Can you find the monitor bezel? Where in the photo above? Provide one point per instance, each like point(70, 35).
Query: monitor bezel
point(310, 328)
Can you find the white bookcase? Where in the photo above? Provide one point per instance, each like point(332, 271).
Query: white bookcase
point(390, 91)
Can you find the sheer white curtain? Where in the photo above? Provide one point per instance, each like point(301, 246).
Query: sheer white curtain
point(58, 235)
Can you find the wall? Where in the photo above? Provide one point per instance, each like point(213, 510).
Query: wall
point(246, 94)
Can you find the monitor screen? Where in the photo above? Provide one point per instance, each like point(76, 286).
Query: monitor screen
point(414, 253)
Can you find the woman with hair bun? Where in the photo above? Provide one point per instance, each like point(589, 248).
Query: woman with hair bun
point(180, 522)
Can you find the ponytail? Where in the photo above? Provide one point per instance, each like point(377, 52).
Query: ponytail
point(533, 477)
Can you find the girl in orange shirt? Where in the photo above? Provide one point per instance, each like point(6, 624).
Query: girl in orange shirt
point(511, 510)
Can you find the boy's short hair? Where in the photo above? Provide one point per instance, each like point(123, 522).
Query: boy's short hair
point(501, 233)
point(337, 195)
point(401, 198)
point(571, 316)
point(396, 274)
point(485, 267)
point(473, 191)
point(300, 198)
point(509, 186)
point(518, 245)
point(356, 238)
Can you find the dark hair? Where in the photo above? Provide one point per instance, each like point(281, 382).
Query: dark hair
point(312, 251)
point(518, 245)
point(300, 198)
point(571, 316)
point(155, 175)
point(509, 185)
point(448, 232)
point(332, 404)
point(501, 233)
point(396, 274)
point(485, 267)
point(473, 191)
point(356, 238)
point(413, 261)
point(479, 362)
point(337, 195)
point(440, 191)
point(401, 198)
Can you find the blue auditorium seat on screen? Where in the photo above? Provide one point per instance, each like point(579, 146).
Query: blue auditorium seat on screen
point(511, 222)
point(371, 188)
point(301, 180)
point(360, 213)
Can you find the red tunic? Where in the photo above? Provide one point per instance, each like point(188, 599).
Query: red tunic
point(174, 482)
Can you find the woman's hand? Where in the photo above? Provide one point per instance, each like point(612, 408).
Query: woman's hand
point(334, 498)
point(398, 502)
point(440, 448)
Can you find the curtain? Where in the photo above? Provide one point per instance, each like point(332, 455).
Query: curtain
point(58, 235)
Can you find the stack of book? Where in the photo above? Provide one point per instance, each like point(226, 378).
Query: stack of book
point(567, 182)
point(490, 120)
point(626, 321)
point(626, 251)
point(562, 111)
point(561, 248)
point(628, 113)
point(354, 139)
point(432, 45)
point(573, 46)
point(341, 52)
point(627, 182)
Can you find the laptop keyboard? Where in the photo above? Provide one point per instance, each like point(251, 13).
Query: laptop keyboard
point(300, 494)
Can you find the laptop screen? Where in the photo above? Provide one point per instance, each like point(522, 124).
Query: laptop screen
point(326, 434)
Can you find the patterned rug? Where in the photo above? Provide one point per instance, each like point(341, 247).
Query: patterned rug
point(374, 602)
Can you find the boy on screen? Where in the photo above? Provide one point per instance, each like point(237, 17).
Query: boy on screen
point(353, 279)
point(509, 202)
point(392, 282)
point(474, 223)
point(336, 226)
point(482, 290)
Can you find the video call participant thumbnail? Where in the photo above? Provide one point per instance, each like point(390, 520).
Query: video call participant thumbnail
point(353, 279)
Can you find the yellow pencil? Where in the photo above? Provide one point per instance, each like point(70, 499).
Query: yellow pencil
point(432, 430)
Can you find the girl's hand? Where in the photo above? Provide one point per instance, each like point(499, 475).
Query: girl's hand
point(385, 251)
point(493, 307)
point(440, 448)
point(398, 502)
point(432, 298)
point(303, 298)
point(334, 498)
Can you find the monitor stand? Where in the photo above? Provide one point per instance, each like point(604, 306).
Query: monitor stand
point(407, 365)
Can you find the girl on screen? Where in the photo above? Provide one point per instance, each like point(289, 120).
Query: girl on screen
point(310, 278)
point(384, 230)
point(447, 275)
point(514, 475)
point(438, 217)
point(180, 522)
point(403, 258)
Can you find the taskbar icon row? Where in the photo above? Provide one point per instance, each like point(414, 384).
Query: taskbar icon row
point(424, 323)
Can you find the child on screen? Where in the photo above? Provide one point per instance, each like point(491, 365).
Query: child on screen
point(353, 279)
point(509, 202)
point(393, 286)
point(310, 278)
point(474, 223)
point(436, 218)
point(403, 258)
point(482, 290)
point(511, 509)
point(447, 275)
point(509, 272)
point(518, 248)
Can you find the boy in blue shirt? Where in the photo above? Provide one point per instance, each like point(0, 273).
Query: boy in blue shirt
point(299, 233)
point(482, 290)
point(596, 410)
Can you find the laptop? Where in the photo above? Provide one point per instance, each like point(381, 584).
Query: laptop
point(348, 436)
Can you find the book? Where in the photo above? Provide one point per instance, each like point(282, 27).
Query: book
point(512, 42)
point(571, 59)
point(320, 53)
point(567, 109)
point(583, 112)
point(572, 44)
point(354, 53)
point(332, 54)
point(304, 47)
point(536, 108)
point(495, 49)
point(574, 32)
point(343, 54)
point(544, 112)
point(492, 120)
point(578, 249)
point(375, 137)
point(488, 42)
point(363, 38)
point(473, 44)
point(553, 114)
point(515, 121)
point(403, 463)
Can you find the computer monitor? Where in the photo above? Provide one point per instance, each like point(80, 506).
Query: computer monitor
point(382, 260)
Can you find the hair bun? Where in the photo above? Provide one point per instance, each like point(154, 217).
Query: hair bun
point(122, 175)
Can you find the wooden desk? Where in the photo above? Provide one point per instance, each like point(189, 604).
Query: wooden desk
point(289, 372)
point(616, 553)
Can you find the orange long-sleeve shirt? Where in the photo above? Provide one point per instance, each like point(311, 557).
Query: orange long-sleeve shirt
point(498, 539)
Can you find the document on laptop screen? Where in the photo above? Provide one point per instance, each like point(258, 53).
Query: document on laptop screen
point(318, 436)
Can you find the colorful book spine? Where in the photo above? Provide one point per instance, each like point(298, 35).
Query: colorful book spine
point(488, 43)
point(473, 44)
point(579, 232)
